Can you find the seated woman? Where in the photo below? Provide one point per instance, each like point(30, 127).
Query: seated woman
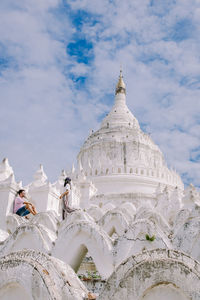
point(21, 207)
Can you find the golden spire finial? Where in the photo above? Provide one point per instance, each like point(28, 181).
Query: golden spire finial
point(120, 87)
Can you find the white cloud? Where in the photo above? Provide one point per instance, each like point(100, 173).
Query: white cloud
point(161, 68)
point(36, 99)
point(44, 108)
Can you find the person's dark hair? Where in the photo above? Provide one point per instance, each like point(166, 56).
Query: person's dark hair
point(67, 180)
point(20, 191)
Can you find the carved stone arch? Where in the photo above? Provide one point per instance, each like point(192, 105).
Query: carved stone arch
point(175, 273)
point(114, 222)
point(108, 207)
point(28, 236)
point(145, 212)
point(38, 276)
point(47, 219)
point(195, 252)
point(72, 245)
point(95, 212)
point(77, 216)
point(186, 241)
point(13, 221)
point(137, 238)
point(130, 210)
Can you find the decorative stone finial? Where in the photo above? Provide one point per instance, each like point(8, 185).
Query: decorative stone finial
point(40, 175)
point(63, 173)
point(62, 176)
point(120, 87)
point(5, 170)
point(73, 169)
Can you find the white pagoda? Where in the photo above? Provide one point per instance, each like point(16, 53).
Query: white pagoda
point(134, 233)
point(122, 161)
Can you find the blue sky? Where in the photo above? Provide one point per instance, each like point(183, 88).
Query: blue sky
point(59, 63)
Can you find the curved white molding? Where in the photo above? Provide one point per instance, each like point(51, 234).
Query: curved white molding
point(95, 212)
point(38, 276)
point(77, 216)
point(47, 219)
point(114, 222)
point(134, 240)
point(187, 238)
point(139, 274)
point(155, 217)
point(78, 238)
point(28, 236)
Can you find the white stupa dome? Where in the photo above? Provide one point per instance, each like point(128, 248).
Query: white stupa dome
point(121, 157)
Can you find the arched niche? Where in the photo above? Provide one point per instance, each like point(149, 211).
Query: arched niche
point(164, 291)
point(14, 291)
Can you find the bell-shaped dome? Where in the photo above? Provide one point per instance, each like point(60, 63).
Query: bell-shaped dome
point(121, 157)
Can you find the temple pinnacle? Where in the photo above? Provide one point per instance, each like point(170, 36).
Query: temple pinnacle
point(120, 87)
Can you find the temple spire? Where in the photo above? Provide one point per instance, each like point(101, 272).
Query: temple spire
point(120, 87)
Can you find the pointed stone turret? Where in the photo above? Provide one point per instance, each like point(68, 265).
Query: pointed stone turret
point(8, 189)
point(73, 169)
point(59, 184)
point(42, 193)
point(63, 175)
point(40, 177)
point(5, 170)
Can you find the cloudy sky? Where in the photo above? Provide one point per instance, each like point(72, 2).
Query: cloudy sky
point(59, 64)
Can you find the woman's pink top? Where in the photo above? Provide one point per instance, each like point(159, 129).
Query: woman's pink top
point(19, 202)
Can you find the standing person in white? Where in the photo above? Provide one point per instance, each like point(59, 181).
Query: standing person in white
point(65, 198)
